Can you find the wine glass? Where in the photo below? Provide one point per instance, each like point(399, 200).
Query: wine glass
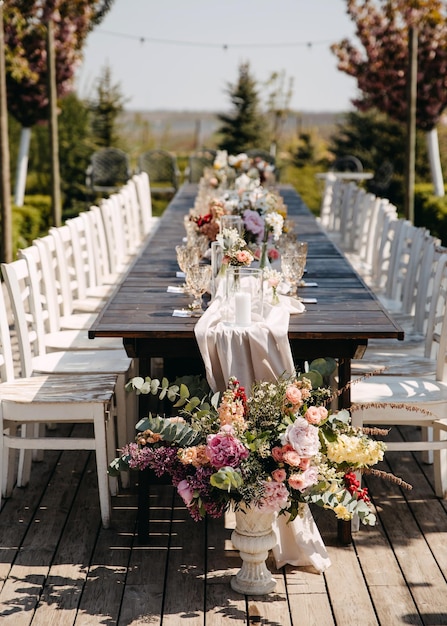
point(198, 279)
point(292, 267)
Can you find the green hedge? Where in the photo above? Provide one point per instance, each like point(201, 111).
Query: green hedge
point(430, 211)
point(30, 221)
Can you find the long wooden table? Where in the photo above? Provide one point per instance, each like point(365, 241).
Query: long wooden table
point(339, 325)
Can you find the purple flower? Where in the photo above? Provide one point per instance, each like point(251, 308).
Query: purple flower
point(254, 223)
point(224, 449)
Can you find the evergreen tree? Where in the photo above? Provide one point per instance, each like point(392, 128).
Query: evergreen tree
point(245, 127)
point(105, 107)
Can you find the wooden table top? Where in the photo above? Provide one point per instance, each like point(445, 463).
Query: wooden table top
point(345, 316)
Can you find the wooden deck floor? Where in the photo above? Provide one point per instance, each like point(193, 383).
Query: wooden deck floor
point(59, 567)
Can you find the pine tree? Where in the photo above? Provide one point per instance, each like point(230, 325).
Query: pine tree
point(245, 128)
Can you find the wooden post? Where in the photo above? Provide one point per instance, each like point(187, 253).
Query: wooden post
point(5, 179)
point(411, 122)
point(54, 141)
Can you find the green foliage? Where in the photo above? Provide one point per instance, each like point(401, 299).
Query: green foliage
point(30, 221)
point(373, 137)
point(431, 211)
point(245, 127)
point(304, 181)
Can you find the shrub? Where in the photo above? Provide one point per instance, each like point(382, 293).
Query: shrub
point(430, 211)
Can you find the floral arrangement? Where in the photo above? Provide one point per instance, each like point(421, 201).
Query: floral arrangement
point(278, 448)
point(235, 251)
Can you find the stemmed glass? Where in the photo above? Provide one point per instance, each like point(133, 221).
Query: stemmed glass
point(292, 267)
point(198, 279)
point(186, 256)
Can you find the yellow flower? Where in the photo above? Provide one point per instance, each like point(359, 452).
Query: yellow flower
point(342, 512)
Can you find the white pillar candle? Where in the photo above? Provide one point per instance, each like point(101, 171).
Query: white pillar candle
point(242, 309)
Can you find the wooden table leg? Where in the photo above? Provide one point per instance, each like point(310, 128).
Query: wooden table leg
point(144, 484)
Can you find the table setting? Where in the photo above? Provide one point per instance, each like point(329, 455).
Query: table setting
point(263, 438)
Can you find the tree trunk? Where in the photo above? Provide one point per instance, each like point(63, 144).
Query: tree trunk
point(435, 162)
point(56, 209)
point(22, 166)
point(410, 156)
point(5, 180)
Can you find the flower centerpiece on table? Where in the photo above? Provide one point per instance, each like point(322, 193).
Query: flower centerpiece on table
point(235, 250)
point(207, 223)
point(277, 448)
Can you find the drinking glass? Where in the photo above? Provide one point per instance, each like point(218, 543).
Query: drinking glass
point(198, 279)
point(232, 221)
point(292, 267)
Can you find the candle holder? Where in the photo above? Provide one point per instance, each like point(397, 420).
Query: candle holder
point(243, 296)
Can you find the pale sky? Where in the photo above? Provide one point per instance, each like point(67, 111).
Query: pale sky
point(181, 54)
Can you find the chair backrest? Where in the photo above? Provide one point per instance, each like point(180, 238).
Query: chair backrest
point(261, 154)
point(161, 167)
point(114, 231)
point(109, 169)
point(143, 189)
point(348, 163)
point(43, 275)
point(436, 336)
point(56, 270)
point(6, 353)
point(27, 311)
point(197, 162)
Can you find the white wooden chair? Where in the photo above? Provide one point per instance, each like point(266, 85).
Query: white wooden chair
point(411, 400)
point(56, 278)
point(147, 221)
point(417, 354)
point(44, 299)
point(35, 359)
point(39, 400)
point(75, 283)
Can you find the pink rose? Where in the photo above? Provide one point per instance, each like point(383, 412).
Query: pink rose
point(185, 492)
point(303, 437)
point(279, 475)
point(273, 254)
point(277, 454)
point(304, 464)
point(304, 480)
point(292, 458)
point(315, 414)
point(293, 394)
point(244, 257)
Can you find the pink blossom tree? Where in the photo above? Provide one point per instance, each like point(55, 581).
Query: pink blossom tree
point(26, 55)
point(381, 64)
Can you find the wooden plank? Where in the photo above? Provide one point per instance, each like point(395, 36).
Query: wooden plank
point(21, 592)
point(144, 589)
point(66, 578)
point(105, 583)
point(186, 570)
point(223, 562)
point(344, 578)
point(308, 600)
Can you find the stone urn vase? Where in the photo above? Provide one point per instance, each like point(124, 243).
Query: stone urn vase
point(253, 537)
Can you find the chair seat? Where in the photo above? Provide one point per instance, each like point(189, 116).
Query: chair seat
point(54, 390)
point(79, 340)
point(394, 364)
point(79, 362)
point(400, 389)
point(77, 321)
